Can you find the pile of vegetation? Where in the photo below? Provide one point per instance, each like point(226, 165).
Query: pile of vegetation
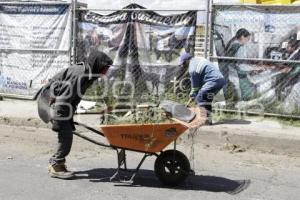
point(146, 115)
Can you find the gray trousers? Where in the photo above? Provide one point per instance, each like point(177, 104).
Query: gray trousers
point(65, 139)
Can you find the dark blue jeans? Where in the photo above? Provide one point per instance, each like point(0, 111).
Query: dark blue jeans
point(65, 139)
point(207, 91)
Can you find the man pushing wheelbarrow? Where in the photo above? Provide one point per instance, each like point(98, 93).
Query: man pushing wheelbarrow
point(58, 101)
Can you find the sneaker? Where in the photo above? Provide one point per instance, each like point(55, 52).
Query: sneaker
point(60, 171)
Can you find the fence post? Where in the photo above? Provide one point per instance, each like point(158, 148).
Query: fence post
point(74, 35)
point(207, 28)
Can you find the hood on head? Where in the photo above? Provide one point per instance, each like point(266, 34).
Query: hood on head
point(98, 61)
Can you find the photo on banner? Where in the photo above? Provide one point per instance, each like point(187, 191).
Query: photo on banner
point(161, 40)
point(255, 33)
point(144, 45)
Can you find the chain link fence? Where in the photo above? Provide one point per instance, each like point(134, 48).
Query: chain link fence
point(145, 48)
point(255, 47)
point(257, 50)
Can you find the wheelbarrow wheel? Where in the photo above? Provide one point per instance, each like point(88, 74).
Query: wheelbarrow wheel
point(172, 167)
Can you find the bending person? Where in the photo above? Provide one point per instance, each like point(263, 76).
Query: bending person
point(206, 80)
point(58, 101)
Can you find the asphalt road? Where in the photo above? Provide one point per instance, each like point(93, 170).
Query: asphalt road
point(220, 173)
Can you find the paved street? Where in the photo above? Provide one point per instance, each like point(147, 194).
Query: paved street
point(220, 174)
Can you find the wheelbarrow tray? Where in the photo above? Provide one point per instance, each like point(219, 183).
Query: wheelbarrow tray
point(149, 138)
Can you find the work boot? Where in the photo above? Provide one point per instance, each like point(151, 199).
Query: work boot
point(60, 171)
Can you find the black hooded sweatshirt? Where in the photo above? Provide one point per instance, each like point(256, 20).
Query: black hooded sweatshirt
point(61, 95)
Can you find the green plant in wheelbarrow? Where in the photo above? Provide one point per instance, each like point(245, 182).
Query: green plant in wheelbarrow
point(165, 111)
point(140, 115)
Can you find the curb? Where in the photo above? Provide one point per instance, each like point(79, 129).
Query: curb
point(236, 143)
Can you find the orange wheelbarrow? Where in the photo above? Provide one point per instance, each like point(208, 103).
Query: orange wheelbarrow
point(171, 166)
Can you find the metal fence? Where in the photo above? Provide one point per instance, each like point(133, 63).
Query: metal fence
point(262, 75)
point(254, 46)
point(145, 52)
point(257, 49)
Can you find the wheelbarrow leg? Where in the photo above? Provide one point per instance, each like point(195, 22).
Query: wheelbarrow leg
point(122, 159)
point(115, 176)
point(130, 181)
point(138, 168)
point(121, 162)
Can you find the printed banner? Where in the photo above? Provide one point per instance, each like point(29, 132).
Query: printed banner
point(34, 43)
point(144, 45)
point(259, 33)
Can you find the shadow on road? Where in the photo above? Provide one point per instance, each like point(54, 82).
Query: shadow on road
point(147, 178)
point(233, 121)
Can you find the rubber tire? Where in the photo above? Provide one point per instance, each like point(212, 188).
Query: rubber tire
point(177, 176)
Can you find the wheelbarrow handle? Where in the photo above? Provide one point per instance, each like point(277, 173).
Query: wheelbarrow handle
point(189, 102)
point(89, 128)
point(92, 140)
